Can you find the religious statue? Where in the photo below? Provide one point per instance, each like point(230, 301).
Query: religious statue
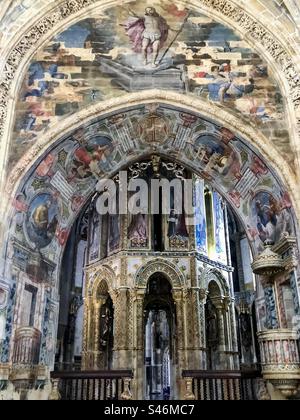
point(246, 331)
point(211, 325)
point(105, 328)
point(148, 34)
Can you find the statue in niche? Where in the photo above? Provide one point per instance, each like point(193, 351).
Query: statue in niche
point(105, 326)
point(181, 229)
point(172, 224)
point(177, 225)
point(246, 331)
point(75, 305)
point(212, 328)
point(114, 223)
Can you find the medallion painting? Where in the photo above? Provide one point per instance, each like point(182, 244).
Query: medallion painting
point(142, 46)
point(42, 220)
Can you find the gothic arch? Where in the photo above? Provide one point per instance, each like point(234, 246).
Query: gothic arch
point(158, 265)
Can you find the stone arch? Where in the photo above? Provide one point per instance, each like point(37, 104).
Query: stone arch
point(170, 270)
point(275, 52)
point(210, 111)
point(215, 276)
point(101, 280)
point(91, 116)
point(195, 105)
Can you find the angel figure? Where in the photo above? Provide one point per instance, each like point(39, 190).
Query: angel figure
point(148, 34)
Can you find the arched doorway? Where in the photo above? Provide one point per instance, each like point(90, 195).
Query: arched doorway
point(160, 343)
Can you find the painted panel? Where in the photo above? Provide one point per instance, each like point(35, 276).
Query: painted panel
point(134, 47)
point(201, 232)
point(220, 238)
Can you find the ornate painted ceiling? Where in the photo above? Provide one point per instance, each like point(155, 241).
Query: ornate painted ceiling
point(66, 176)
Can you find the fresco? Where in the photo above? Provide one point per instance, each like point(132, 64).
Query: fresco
point(200, 228)
point(142, 46)
point(95, 237)
point(272, 215)
point(42, 220)
point(47, 205)
point(220, 237)
point(89, 158)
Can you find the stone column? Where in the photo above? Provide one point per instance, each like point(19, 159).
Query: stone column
point(121, 328)
point(138, 347)
point(203, 293)
point(95, 327)
point(86, 334)
point(181, 343)
point(223, 358)
point(197, 310)
point(232, 350)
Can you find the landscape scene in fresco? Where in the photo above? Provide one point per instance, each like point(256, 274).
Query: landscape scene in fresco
point(116, 52)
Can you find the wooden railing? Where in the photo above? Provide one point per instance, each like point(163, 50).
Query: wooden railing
point(93, 385)
point(220, 385)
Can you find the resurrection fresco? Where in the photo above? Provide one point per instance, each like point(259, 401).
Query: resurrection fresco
point(135, 47)
point(60, 184)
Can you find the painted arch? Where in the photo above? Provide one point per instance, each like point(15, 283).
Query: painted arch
point(65, 175)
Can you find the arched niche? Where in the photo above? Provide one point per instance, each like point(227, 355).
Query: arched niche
point(213, 280)
point(168, 269)
point(98, 327)
point(101, 282)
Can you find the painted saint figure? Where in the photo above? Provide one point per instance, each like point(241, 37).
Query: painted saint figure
point(172, 224)
point(148, 34)
point(41, 220)
point(138, 230)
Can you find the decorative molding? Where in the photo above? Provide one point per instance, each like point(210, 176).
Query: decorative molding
point(159, 266)
point(258, 33)
point(95, 278)
point(165, 254)
point(212, 274)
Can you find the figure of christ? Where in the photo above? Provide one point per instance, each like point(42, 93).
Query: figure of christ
point(148, 34)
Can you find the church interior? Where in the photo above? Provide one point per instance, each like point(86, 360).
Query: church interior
point(182, 119)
